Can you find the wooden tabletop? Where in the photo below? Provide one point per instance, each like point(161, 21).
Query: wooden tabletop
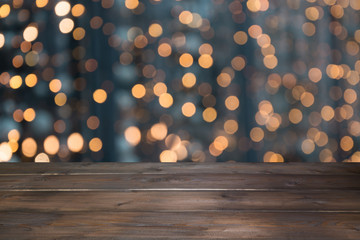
point(180, 201)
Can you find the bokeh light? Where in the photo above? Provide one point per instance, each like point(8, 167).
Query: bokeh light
point(175, 81)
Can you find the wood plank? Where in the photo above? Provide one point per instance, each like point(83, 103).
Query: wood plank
point(131, 225)
point(242, 182)
point(181, 201)
point(187, 168)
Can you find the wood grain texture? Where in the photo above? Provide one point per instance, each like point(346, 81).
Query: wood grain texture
point(180, 201)
point(209, 181)
point(79, 168)
point(180, 225)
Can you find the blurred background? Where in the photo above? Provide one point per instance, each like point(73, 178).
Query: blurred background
point(175, 81)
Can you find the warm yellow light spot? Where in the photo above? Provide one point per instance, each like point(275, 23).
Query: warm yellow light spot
point(131, 4)
point(189, 80)
point(312, 13)
point(263, 40)
point(17, 61)
point(261, 119)
point(265, 108)
point(346, 111)
point(273, 157)
point(307, 99)
point(238, 63)
point(164, 50)
point(31, 80)
point(25, 46)
point(66, 25)
point(209, 114)
point(51, 145)
point(168, 156)
point(309, 29)
point(328, 2)
point(188, 109)
point(356, 36)
point(268, 50)
point(274, 80)
point(140, 41)
point(62, 8)
point(295, 116)
point(14, 135)
point(138, 91)
point(75, 142)
point(95, 144)
point(4, 10)
point(60, 99)
point(29, 147)
point(2, 40)
point(352, 48)
point(315, 74)
point(353, 77)
point(205, 48)
point(273, 122)
point(231, 126)
point(196, 21)
point(173, 141)
point(334, 71)
point(100, 96)
point(155, 30)
point(240, 37)
point(29, 115)
point(254, 31)
point(186, 60)
point(327, 113)
point(289, 81)
point(256, 134)
point(326, 155)
point(159, 88)
point(55, 85)
point(41, 3)
point(221, 143)
point(270, 61)
point(166, 100)
point(132, 135)
point(32, 58)
point(232, 103)
point(214, 151)
point(253, 5)
point(42, 158)
point(79, 33)
point(321, 139)
point(205, 61)
point(355, 4)
point(354, 158)
point(13, 145)
point(18, 115)
point(78, 10)
point(224, 79)
point(159, 131)
point(5, 152)
point(93, 122)
point(185, 17)
point(15, 82)
point(181, 151)
point(337, 11)
point(308, 146)
point(346, 143)
point(350, 96)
